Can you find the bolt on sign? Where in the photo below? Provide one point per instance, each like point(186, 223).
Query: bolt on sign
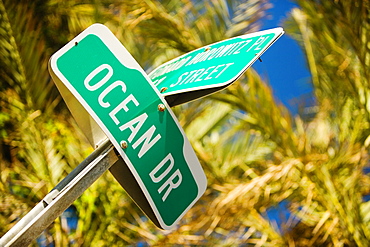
point(211, 68)
point(98, 75)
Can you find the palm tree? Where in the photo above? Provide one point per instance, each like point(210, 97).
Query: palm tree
point(334, 35)
point(38, 141)
point(255, 154)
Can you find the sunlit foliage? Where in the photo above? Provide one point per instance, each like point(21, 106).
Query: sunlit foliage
point(256, 155)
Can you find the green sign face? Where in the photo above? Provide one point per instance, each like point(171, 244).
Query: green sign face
point(213, 66)
point(115, 91)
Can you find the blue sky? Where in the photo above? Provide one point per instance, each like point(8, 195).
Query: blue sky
point(284, 67)
point(283, 64)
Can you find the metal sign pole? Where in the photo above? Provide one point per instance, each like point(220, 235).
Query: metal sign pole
point(61, 197)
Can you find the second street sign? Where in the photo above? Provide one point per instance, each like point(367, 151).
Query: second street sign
point(211, 68)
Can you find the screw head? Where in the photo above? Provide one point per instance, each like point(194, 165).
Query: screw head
point(124, 144)
point(161, 107)
point(163, 89)
point(207, 49)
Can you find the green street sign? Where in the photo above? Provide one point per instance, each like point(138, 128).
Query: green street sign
point(100, 75)
point(211, 68)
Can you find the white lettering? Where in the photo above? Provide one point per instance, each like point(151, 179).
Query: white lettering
point(194, 73)
point(258, 43)
point(189, 75)
point(170, 67)
point(215, 51)
point(139, 121)
point(194, 60)
point(171, 185)
point(225, 50)
point(180, 78)
point(222, 71)
point(122, 105)
point(109, 89)
point(237, 51)
point(204, 73)
point(168, 159)
point(94, 73)
point(213, 71)
point(147, 143)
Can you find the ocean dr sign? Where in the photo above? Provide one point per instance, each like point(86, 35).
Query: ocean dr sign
point(106, 80)
point(211, 68)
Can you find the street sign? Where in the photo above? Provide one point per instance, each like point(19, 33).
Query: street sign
point(211, 68)
point(105, 80)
